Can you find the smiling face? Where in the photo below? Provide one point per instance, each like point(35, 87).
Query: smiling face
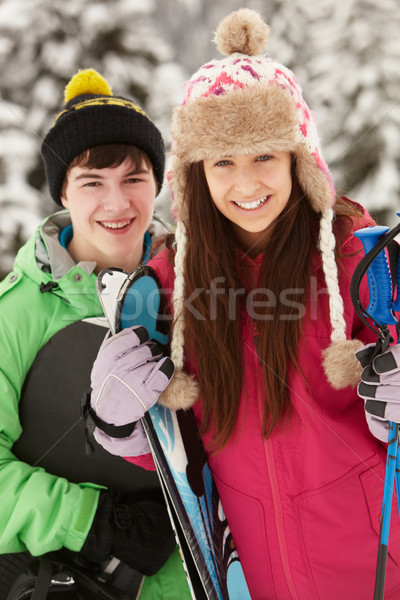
point(111, 209)
point(251, 191)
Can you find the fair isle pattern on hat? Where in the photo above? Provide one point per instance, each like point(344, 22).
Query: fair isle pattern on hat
point(241, 72)
point(248, 103)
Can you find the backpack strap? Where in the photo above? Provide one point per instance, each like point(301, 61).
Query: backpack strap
point(59, 574)
point(43, 580)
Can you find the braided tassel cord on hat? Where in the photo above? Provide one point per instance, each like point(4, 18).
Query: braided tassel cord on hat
point(178, 295)
point(339, 361)
point(183, 391)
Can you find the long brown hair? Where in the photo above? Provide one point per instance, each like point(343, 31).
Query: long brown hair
point(212, 332)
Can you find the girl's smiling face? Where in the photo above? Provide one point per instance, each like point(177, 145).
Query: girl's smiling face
point(110, 210)
point(251, 191)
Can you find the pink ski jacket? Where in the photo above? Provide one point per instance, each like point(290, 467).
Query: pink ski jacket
point(304, 505)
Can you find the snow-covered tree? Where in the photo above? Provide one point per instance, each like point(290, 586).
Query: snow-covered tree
point(345, 54)
point(347, 57)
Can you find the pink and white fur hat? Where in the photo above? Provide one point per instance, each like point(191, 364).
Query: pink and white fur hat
point(244, 104)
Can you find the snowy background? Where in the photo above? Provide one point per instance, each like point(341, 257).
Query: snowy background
point(345, 54)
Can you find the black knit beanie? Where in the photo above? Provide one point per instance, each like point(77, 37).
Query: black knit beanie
point(93, 116)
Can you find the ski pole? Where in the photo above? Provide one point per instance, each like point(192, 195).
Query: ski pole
point(381, 312)
point(391, 461)
point(397, 476)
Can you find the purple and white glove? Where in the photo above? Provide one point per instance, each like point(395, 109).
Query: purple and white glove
point(127, 378)
point(380, 388)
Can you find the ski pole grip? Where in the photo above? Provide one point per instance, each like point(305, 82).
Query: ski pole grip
point(378, 276)
point(396, 303)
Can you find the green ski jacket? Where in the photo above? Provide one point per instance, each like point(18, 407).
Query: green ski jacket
point(39, 511)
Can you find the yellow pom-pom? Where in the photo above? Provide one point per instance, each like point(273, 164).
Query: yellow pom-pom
point(86, 81)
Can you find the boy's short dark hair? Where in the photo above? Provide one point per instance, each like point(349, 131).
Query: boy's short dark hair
point(108, 155)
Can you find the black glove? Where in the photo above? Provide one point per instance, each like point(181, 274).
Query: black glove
point(138, 533)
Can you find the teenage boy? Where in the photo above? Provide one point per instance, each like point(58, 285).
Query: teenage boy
point(102, 519)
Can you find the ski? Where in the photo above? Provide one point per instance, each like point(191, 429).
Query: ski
point(210, 559)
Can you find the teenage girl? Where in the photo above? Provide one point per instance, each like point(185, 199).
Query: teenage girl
point(264, 333)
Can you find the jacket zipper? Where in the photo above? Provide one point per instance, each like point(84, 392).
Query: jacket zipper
point(274, 487)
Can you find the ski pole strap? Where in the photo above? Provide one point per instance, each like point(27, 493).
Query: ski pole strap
point(93, 420)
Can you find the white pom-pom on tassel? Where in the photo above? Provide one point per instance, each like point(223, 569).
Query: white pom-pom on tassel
point(341, 365)
point(242, 31)
point(182, 392)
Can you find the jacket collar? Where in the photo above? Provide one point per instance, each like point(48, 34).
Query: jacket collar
point(51, 257)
